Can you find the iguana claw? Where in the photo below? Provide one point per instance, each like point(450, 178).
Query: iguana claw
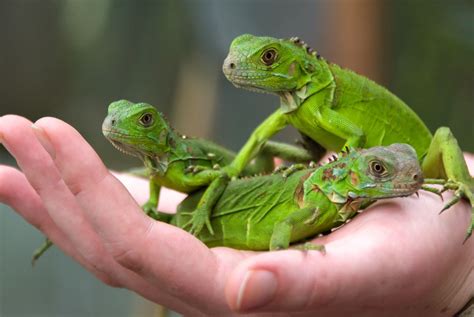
point(199, 218)
point(433, 190)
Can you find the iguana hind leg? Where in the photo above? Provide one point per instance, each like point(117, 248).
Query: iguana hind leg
point(445, 160)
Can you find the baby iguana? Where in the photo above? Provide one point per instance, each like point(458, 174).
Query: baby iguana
point(269, 212)
point(176, 161)
point(336, 108)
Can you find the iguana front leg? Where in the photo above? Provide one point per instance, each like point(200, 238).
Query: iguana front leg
point(444, 159)
point(150, 206)
point(282, 231)
point(273, 124)
point(202, 214)
point(340, 126)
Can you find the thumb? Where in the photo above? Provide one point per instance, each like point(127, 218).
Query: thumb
point(283, 281)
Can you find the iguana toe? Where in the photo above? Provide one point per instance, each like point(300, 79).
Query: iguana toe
point(199, 218)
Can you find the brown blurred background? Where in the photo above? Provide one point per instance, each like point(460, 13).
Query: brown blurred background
point(70, 59)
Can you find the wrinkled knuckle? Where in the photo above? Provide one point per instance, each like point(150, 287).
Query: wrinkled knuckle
point(108, 280)
point(130, 259)
point(130, 255)
point(97, 263)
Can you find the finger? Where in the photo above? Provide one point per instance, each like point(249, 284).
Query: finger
point(130, 236)
point(18, 193)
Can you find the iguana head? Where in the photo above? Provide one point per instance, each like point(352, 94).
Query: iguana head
point(267, 64)
point(136, 128)
point(386, 171)
point(374, 173)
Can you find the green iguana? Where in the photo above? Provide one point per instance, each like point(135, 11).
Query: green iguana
point(178, 162)
point(336, 107)
point(269, 212)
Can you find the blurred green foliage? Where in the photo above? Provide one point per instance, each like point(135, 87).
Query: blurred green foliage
point(431, 45)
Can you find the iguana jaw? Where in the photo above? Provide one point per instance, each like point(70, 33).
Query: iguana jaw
point(116, 139)
point(398, 190)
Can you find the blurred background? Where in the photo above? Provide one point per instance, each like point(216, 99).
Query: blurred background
point(70, 59)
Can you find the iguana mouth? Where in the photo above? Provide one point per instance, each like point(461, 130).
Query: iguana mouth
point(122, 147)
point(115, 138)
point(245, 83)
point(246, 86)
point(406, 189)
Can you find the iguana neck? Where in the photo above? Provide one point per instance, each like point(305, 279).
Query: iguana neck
point(320, 78)
point(331, 179)
point(168, 147)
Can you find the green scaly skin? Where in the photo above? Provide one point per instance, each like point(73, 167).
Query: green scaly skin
point(336, 107)
point(176, 161)
point(272, 211)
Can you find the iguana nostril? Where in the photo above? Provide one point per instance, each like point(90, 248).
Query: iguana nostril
point(113, 122)
point(232, 66)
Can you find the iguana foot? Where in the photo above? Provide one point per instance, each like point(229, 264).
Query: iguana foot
point(461, 190)
point(150, 209)
point(199, 218)
point(41, 250)
point(307, 246)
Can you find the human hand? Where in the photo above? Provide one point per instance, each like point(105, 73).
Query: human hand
point(398, 257)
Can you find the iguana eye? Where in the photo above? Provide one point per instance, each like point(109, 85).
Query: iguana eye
point(269, 56)
point(377, 168)
point(146, 119)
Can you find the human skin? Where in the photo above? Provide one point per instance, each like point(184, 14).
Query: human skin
point(399, 257)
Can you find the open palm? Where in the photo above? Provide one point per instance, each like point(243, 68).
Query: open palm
point(397, 257)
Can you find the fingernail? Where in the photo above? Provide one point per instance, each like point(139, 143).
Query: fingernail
point(257, 289)
point(44, 140)
point(1, 138)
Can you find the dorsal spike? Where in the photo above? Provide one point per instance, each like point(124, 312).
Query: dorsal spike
point(299, 42)
point(295, 39)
